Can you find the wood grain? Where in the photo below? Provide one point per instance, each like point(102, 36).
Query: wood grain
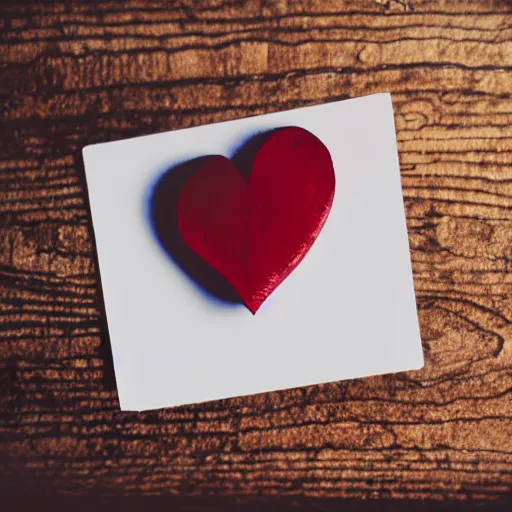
point(76, 73)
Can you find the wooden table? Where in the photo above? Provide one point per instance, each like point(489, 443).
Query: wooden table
point(78, 73)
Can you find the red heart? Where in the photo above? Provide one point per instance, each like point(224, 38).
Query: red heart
point(255, 233)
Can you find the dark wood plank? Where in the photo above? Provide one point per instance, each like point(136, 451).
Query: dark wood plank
point(75, 73)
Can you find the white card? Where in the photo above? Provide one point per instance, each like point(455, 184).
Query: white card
point(348, 310)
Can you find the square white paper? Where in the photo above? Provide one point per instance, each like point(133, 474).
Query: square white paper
point(348, 310)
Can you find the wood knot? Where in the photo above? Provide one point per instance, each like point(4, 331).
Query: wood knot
point(370, 55)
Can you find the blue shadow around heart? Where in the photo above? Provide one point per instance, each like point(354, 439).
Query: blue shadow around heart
point(163, 219)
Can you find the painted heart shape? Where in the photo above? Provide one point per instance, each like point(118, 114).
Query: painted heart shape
point(255, 232)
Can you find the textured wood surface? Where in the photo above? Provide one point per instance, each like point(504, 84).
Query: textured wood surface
point(78, 73)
